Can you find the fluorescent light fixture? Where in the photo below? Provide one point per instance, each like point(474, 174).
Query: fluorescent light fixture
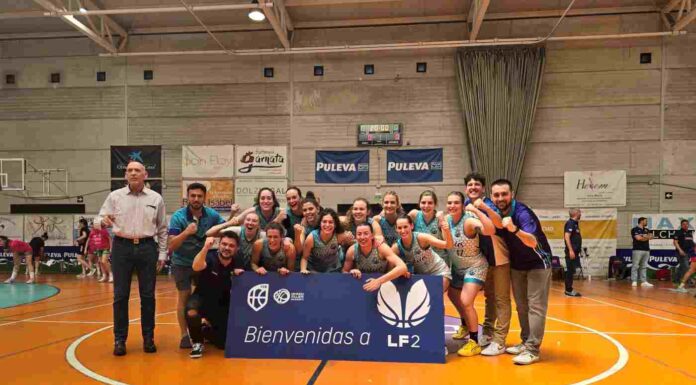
point(83, 10)
point(256, 14)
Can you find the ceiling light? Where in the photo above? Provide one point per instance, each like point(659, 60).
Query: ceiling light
point(83, 10)
point(256, 14)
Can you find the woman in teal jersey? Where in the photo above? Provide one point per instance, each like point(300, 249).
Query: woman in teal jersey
point(271, 254)
point(468, 265)
point(293, 212)
point(417, 250)
point(310, 221)
point(428, 218)
point(369, 257)
point(266, 208)
point(321, 251)
point(358, 213)
point(386, 221)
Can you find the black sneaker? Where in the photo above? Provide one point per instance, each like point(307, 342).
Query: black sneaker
point(196, 351)
point(120, 348)
point(149, 346)
point(572, 294)
point(185, 342)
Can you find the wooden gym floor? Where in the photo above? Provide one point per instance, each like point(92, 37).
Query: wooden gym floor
point(615, 334)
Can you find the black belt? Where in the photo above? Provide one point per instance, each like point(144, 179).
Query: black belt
point(135, 241)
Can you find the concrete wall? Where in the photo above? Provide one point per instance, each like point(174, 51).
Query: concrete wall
point(600, 108)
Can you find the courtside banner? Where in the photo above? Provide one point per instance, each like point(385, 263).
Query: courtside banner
point(331, 317)
point(342, 167)
point(207, 161)
point(414, 166)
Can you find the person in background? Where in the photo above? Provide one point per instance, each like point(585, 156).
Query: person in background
point(573, 244)
point(641, 253)
point(684, 244)
point(81, 243)
point(18, 249)
point(37, 252)
point(99, 246)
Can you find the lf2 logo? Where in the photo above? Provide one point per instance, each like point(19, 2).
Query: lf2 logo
point(257, 298)
point(416, 308)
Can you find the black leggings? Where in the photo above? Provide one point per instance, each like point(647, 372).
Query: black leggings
point(216, 315)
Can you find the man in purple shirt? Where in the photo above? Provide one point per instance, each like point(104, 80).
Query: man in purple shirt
point(530, 269)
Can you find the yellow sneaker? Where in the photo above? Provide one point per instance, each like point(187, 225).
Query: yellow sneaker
point(471, 348)
point(461, 334)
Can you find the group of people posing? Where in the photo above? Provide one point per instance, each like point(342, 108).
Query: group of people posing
point(477, 243)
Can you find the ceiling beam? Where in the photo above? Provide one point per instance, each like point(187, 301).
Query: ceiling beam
point(684, 21)
point(80, 26)
point(89, 5)
point(274, 17)
point(173, 9)
point(671, 5)
point(475, 19)
point(310, 3)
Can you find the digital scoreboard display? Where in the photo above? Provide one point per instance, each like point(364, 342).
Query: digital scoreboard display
point(380, 134)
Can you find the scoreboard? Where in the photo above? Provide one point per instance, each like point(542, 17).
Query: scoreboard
point(380, 134)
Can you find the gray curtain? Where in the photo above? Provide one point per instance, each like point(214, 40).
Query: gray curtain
point(498, 90)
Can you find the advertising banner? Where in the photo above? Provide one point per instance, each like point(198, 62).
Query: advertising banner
point(594, 188)
point(219, 195)
point(245, 190)
point(207, 161)
point(342, 167)
point(150, 156)
point(261, 161)
point(414, 166)
point(331, 317)
point(598, 230)
point(58, 227)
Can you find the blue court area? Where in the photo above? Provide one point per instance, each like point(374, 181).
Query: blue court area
point(15, 294)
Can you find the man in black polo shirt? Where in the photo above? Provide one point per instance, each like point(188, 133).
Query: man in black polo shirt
point(641, 252)
point(684, 243)
point(573, 245)
point(211, 298)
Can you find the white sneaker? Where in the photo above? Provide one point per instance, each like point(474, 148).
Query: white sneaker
point(681, 290)
point(484, 340)
point(634, 284)
point(493, 349)
point(81, 276)
point(646, 284)
point(30, 280)
point(9, 280)
point(516, 349)
point(111, 278)
point(102, 279)
point(525, 358)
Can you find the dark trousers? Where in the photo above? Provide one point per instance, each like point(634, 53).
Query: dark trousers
point(126, 258)
point(198, 308)
point(571, 265)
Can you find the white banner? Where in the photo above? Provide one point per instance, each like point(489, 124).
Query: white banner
point(261, 161)
point(663, 226)
point(595, 188)
point(245, 190)
point(207, 161)
point(12, 226)
point(598, 230)
point(58, 227)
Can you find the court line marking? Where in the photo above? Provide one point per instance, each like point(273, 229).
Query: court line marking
point(74, 310)
point(639, 312)
point(71, 357)
point(618, 365)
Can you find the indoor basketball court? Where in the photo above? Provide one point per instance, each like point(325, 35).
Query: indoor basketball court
point(558, 135)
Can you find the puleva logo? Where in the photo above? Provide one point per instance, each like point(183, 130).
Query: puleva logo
point(415, 311)
point(257, 298)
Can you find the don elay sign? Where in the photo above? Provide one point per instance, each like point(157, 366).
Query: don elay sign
point(330, 316)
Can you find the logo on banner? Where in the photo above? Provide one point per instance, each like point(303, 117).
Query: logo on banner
point(257, 298)
point(267, 160)
point(342, 167)
point(136, 156)
point(281, 296)
point(414, 166)
point(412, 314)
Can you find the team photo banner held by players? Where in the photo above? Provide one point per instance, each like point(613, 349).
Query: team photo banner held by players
point(331, 317)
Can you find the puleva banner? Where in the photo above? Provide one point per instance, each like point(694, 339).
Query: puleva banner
point(414, 166)
point(207, 161)
point(330, 316)
point(342, 167)
point(594, 188)
point(149, 156)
